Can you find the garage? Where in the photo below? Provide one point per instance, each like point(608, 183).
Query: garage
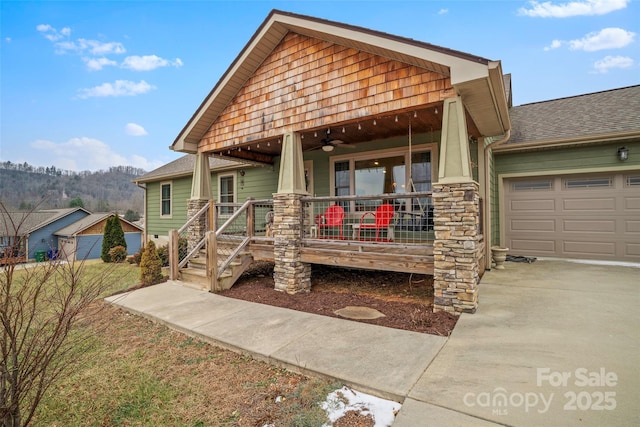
point(585, 216)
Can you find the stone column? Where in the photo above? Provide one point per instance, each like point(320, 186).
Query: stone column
point(457, 247)
point(290, 274)
point(198, 228)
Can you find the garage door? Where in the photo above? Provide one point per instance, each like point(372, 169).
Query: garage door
point(593, 216)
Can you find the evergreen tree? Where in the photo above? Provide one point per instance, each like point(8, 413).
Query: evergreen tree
point(131, 215)
point(150, 265)
point(117, 234)
point(76, 203)
point(107, 242)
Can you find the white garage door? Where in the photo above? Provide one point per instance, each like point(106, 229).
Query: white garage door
point(591, 216)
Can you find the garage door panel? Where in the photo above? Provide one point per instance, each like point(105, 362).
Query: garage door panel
point(590, 204)
point(591, 226)
point(632, 203)
point(532, 225)
point(542, 205)
point(593, 216)
point(604, 249)
point(632, 250)
point(540, 246)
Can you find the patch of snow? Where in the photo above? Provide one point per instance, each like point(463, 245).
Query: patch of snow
point(339, 402)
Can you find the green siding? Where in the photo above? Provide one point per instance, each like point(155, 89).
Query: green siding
point(180, 193)
point(566, 158)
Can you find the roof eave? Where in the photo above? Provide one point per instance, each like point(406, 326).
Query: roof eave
point(618, 137)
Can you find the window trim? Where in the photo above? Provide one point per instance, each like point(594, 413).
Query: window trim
point(387, 152)
point(234, 175)
point(170, 184)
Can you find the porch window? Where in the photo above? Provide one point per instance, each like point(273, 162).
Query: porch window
point(165, 199)
point(384, 172)
point(226, 193)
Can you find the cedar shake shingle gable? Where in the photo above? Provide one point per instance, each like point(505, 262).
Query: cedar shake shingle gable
point(612, 112)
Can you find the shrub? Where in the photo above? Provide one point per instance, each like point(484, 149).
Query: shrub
point(118, 254)
point(150, 265)
point(137, 257)
point(163, 254)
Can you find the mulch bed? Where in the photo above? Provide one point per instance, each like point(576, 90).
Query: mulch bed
point(405, 299)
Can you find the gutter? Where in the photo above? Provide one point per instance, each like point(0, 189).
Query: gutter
point(487, 194)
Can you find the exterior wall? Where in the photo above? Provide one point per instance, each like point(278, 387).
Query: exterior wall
point(89, 246)
point(36, 238)
point(306, 83)
point(180, 193)
point(590, 158)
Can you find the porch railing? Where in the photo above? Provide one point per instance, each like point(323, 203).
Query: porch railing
point(389, 219)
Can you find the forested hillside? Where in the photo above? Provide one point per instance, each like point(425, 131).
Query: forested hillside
point(23, 187)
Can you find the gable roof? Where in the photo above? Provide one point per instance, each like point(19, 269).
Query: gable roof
point(29, 222)
point(184, 167)
point(611, 114)
point(87, 222)
point(475, 78)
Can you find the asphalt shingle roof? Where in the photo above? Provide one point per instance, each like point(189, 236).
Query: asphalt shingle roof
point(600, 113)
point(28, 222)
point(184, 166)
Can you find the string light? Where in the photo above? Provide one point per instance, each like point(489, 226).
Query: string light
point(396, 119)
point(343, 131)
point(359, 127)
point(415, 114)
point(374, 122)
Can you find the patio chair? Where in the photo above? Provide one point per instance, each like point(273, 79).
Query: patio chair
point(333, 217)
point(381, 220)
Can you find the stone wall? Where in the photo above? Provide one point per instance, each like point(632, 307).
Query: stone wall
point(289, 273)
point(456, 247)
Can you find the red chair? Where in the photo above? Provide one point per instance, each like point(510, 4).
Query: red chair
point(333, 217)
point(382, 218)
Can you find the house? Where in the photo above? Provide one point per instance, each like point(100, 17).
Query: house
point(83, 239)
point(374, 151)
point(35, 230)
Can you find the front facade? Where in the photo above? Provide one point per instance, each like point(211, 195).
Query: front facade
point(323, 117)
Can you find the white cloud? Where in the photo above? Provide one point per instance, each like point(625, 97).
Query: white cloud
point(90, 47)
point(148, 62)
point(135, 129)
point(85, 153)
point(96, 64)
point(443, 11)
point(548, 9)
point(118, 88)
point(52, 34)
point(607, 38)
point(608, 62)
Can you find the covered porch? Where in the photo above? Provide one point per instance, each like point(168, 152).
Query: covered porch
point(386, 133)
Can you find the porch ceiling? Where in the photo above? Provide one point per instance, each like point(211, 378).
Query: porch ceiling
point(423, 120)
point(463, 69)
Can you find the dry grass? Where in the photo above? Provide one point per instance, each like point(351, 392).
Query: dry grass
point(140, 373)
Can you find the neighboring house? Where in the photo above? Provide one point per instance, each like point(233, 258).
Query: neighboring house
point(348, 116)
point(567, 183)
point(37, 229)
point(83, 239)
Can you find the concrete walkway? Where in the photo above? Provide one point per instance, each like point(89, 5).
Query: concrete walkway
point(543, 348)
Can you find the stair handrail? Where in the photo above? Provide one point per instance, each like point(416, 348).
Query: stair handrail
point(204, 209)
point(233, 217)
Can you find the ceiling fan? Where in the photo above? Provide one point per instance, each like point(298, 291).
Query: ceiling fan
point(328, 144)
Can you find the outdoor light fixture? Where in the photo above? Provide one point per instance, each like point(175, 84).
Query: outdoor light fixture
point(623, 153)
point(327, 147)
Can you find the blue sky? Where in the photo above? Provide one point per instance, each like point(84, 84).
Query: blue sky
point(88, 85)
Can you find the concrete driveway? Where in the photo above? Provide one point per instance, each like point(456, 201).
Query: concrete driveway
point(553, 343)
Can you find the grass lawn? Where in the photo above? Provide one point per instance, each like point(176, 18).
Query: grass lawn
point(136, 372)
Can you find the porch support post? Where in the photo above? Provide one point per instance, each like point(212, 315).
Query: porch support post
point(290, 274)
point(457, 247)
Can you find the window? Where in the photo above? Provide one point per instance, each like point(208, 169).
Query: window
point(588, 182)
point(165, 199)
point(226, 193)
point(544, 184)
point(633, 180)
point(382, 172)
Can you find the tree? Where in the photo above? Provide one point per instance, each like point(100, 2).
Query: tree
point(76, 203)
point(117, 233)
point(150, 265)
point(40, 311)
point(107, 242)
point(131, 216)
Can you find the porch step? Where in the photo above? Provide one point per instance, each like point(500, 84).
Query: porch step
point(195, 275)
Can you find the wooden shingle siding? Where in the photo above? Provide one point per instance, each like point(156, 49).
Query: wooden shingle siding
point(306, 83)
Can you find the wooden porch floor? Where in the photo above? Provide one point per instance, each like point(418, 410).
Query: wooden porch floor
point(354, 254)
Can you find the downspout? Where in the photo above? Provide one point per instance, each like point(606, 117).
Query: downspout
point(487, 193)
point(144, 212)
